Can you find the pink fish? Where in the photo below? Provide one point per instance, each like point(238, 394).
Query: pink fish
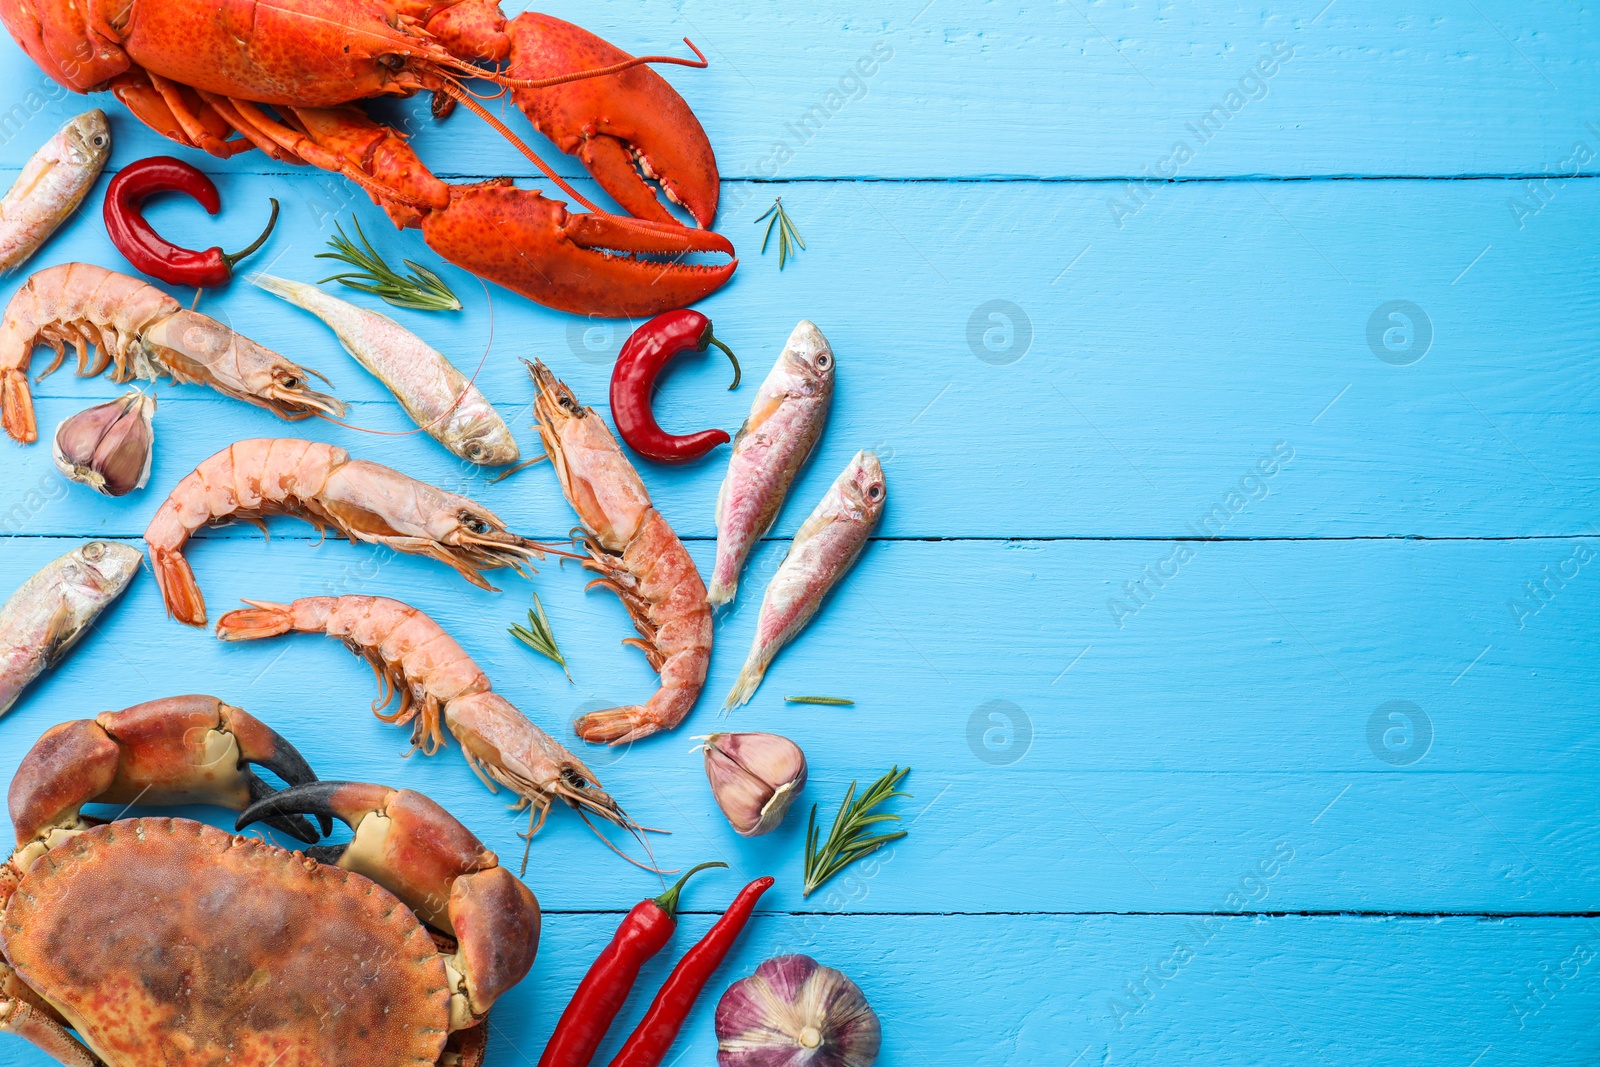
point(783, 427)
point(824, 549)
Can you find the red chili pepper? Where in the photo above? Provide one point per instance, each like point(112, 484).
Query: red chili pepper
point(633, 380)
point(650, 1041)
point(146, 249)
point(604, 989)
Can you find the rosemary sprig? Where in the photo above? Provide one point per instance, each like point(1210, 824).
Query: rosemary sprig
point(788, 236)
point(849, 840)
point(537, 635)
point(835, 701)
point(422, 290)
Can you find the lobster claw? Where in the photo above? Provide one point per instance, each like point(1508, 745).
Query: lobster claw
point(570, 261)
point(623, 127)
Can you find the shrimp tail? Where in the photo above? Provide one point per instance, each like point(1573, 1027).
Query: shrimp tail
point(179, 590)
point(616, 726)
point(262, 619)
point(749, 680)
point(16, 407)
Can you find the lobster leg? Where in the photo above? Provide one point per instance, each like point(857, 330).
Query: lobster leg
point(175, 112)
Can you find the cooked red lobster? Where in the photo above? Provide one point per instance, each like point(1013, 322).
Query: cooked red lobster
point(286, 76)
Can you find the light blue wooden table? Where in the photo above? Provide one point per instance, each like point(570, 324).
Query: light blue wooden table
point(1212, 606)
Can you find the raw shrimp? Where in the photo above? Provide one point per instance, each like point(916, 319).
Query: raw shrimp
point(439, 686)
point(825, 547)
point(146, 334)
point(437, 396)
point(323, 485)
point(638, 557)
point(783, 427)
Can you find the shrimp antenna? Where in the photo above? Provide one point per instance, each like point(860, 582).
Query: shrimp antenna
point(425, 427)
point(636, 836)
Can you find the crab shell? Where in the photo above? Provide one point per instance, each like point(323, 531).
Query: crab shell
point(166, 941)
point(163, 942)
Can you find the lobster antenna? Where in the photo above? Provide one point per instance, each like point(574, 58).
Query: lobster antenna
point(456, 91)
point(699, 63)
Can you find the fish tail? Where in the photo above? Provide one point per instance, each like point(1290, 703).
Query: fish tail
point(721, 592)
point(288, 290)
point(749, 680)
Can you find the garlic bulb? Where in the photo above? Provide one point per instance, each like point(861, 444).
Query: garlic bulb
point(793, 1012)
point(109, 446)
point(755, 777)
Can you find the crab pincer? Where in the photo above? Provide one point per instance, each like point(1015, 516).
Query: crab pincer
point(178, 750)
point(416, 850)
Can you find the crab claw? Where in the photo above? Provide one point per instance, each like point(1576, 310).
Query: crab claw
point(179, 750)
point(582, 263)
point(419, 852)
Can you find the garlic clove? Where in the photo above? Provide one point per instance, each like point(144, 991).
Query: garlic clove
point(794, 1012)
point(754, 777)
point(108, 447)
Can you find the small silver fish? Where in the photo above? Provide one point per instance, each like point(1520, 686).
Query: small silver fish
point(45, 617)
point(436, 395)
point(51, 186)
point(825, 547)
point(784, 425)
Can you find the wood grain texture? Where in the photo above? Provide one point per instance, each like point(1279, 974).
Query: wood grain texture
point(1235, 604)
point(1106, 769)
point(1149, 378)
point(1077, 90)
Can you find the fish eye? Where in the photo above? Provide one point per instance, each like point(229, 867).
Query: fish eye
point(823, 360)
point(93, 551)
point(874, 491)
point(474, 450)
point(98, 140)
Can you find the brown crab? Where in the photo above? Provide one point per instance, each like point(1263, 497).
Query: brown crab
point(162, 941)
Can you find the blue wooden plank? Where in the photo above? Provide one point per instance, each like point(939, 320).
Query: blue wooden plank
point(1132, 754)
point(1062, 763)
point(1370, 87)
point(1158, 364)
point(1004, 989)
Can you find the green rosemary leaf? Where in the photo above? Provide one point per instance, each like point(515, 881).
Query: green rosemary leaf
point(422, 290)
point(849, 840)
point(788, 235)
point(538, 636)
point(838, 701)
